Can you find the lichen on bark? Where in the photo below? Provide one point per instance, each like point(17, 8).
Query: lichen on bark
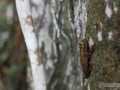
point(105, 60)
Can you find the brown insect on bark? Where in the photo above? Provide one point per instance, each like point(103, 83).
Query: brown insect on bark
point(85, 57)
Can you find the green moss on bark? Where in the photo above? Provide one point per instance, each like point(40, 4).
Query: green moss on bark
point(105, 60)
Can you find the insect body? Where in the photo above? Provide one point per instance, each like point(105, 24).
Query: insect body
point(85, 57)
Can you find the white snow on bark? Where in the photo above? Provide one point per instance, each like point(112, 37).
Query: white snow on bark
point(25, 18)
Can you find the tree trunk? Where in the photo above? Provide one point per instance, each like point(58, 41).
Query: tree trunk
point(61, 26)
point(97, 21)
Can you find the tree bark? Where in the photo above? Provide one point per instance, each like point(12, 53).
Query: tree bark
point(26, 22)
point(98, 22)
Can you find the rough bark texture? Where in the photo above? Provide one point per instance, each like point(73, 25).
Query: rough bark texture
point(102, 27)
point(95, 20)
point(106, 59)
point(60, 25)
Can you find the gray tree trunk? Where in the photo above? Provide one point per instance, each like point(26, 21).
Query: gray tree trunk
point(74, 20)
